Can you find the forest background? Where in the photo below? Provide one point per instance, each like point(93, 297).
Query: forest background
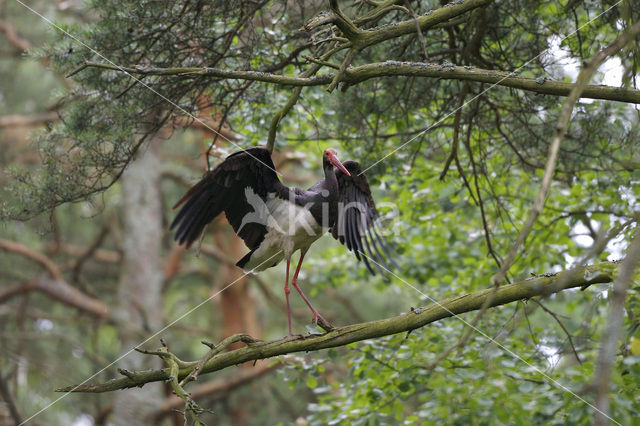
point(501, 143)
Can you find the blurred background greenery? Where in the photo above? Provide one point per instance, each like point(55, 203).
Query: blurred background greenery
point(88, 268)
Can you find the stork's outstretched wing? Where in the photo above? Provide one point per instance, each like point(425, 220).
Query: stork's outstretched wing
point(232, 186)
point(357, 224)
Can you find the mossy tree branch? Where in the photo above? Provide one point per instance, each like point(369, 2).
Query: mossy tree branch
point(361, 39)
point(424, 22)
point(536, 286)
point(358, 74)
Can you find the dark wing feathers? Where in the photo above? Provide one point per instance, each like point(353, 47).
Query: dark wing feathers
point(223, 189)
point(195, 214)
point(356, 225)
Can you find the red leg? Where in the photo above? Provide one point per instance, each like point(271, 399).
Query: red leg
point(286, 293)
point(294, 283)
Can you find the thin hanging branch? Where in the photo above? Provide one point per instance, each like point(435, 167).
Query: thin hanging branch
point(341, 336)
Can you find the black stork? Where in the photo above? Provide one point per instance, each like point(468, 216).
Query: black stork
point(275, 221)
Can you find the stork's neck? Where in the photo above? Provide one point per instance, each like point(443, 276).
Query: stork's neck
point(331, 182)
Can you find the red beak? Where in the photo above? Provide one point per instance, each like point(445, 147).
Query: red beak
point(336, 163)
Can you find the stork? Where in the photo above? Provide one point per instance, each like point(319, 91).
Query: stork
point(275, 221)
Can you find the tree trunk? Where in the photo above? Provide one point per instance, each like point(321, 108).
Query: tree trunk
point(237, 306)
point(139, 292)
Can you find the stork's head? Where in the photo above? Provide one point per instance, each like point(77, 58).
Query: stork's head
point(331, 156)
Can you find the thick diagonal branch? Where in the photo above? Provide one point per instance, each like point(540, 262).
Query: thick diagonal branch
point(537, 286)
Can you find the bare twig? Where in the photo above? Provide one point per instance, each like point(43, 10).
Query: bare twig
point(423, 42)
point(489, 300)
point(566, 332)
point(215, 350)
point(343, 68)
point(77, 268)
point(220, 386)
point(456, 130)
point(191, 409)
point(474, 168)
point(275, 121)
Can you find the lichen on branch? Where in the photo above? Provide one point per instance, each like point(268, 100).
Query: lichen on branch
point(415, 318)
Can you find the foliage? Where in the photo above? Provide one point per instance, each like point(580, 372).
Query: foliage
point(451, 233)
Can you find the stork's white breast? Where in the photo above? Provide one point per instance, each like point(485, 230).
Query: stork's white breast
point(290, 227)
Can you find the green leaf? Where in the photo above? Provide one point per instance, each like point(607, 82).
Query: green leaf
point(312, 382)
